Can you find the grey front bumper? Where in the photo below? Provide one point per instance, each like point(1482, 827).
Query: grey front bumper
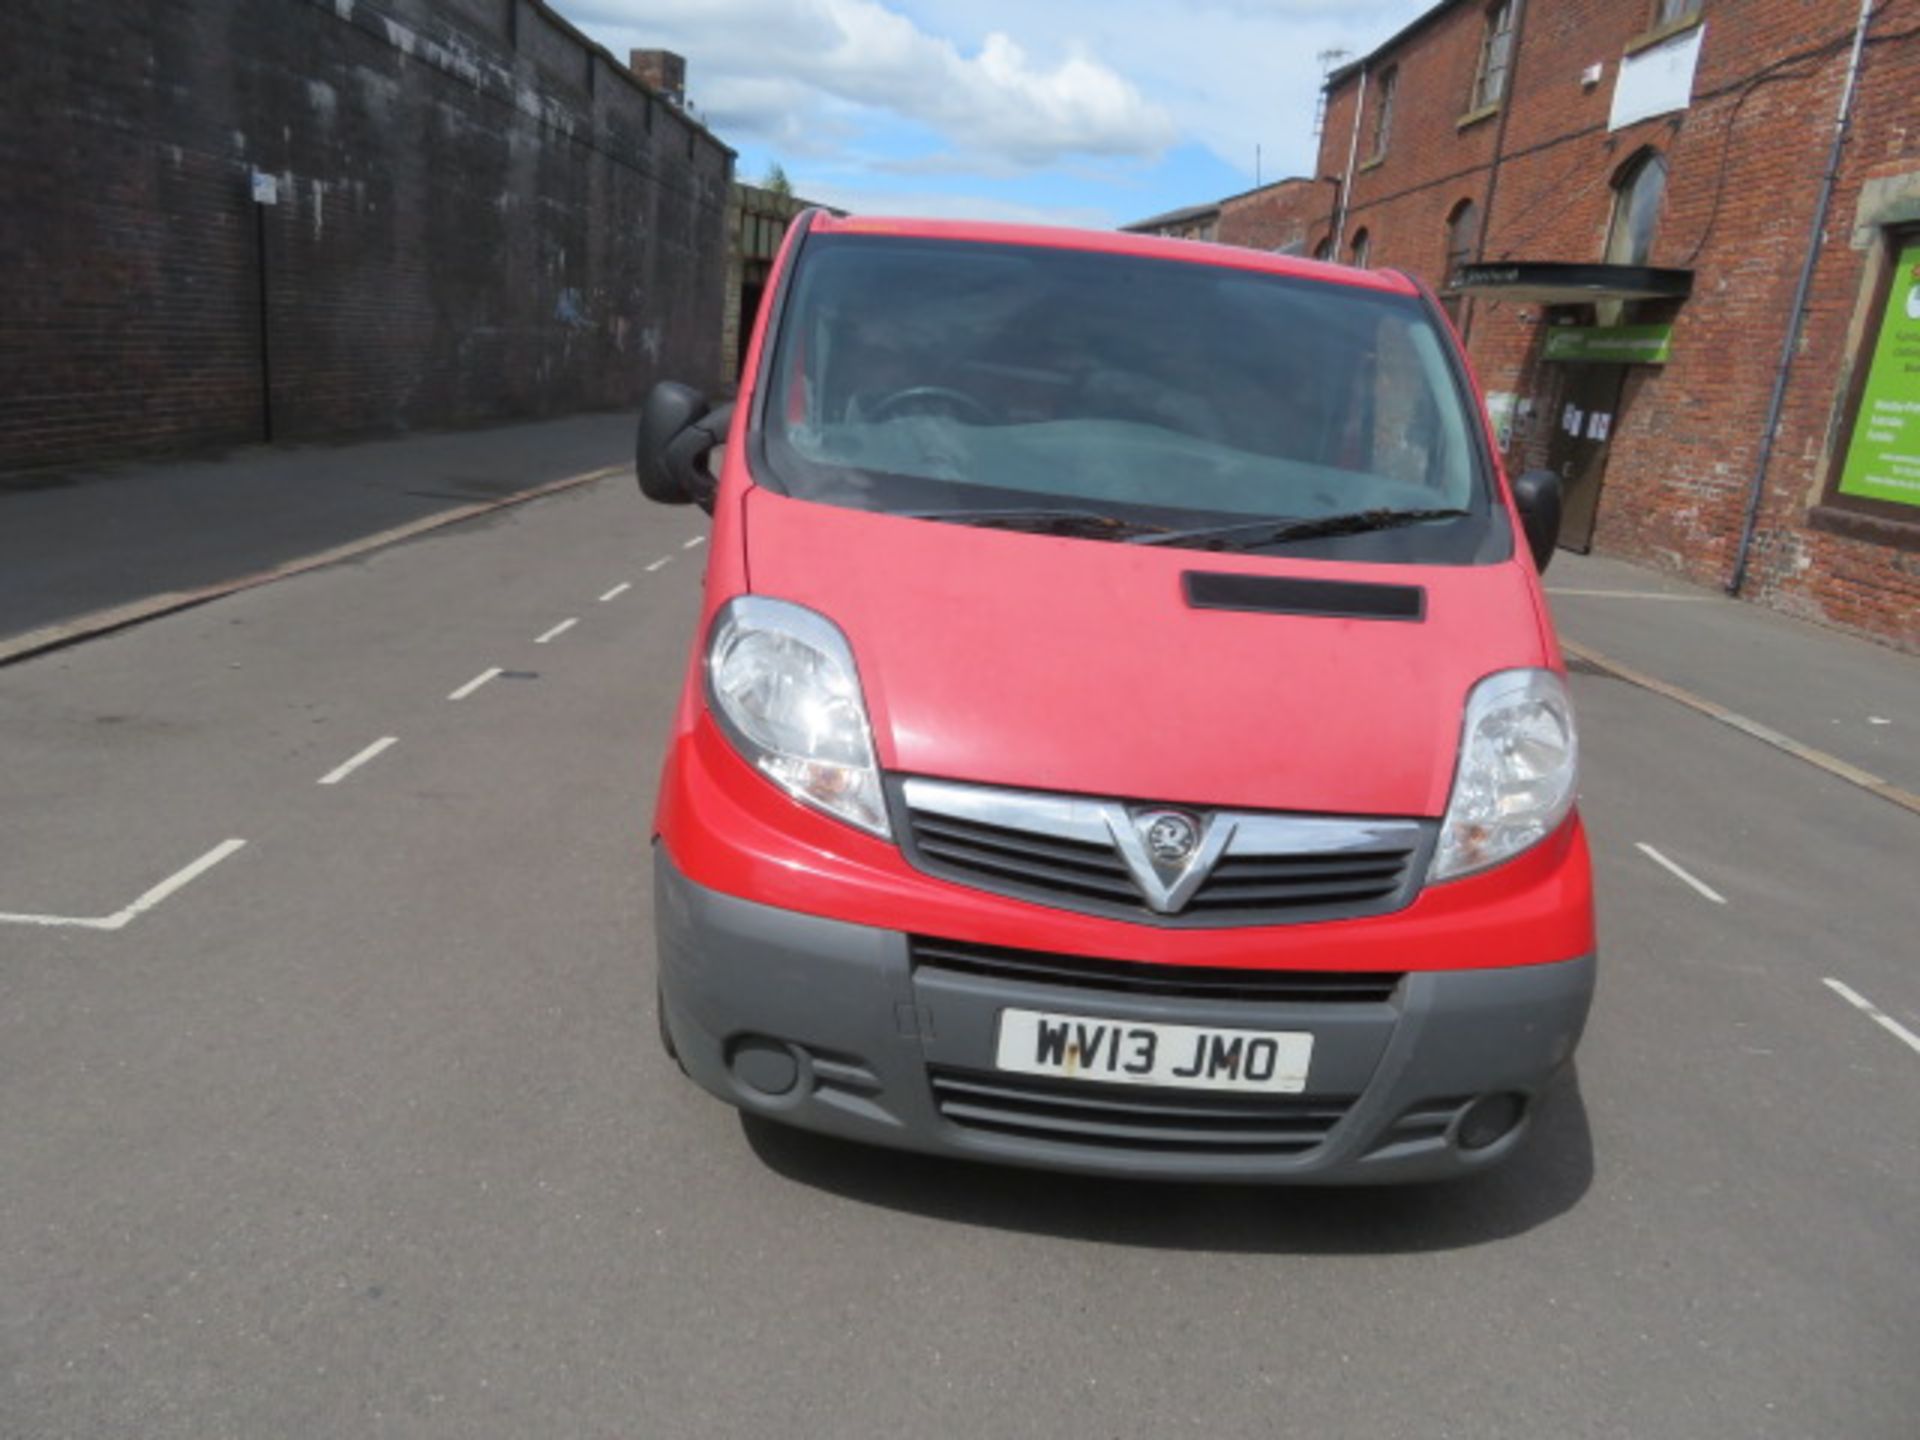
point(829, 1026)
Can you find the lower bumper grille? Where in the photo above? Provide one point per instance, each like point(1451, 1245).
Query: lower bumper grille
point(1124, 1118)
point(1188, 982)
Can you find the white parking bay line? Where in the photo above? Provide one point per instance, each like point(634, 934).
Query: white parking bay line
point(557, 631)
point(120, 919)
point(617, 591)
point(347, 767)
point(1874, 1013)
point(474, 684)
point(1627, 594)
point(696, 540)
point(1664, 863)
point(663, 560)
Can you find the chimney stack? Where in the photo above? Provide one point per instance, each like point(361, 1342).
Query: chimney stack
point(663, 72)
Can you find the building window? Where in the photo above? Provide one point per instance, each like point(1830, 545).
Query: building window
point(1463, 238)
point(1637, 194)
point(1496, 56)
point(1875, 475)
point(1638, 188)
point(1463, 234)
point(1673, 12)
point(1383, 113)
point(1324, 250)
point(1362, 248)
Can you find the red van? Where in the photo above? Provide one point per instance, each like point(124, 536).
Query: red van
point(1125, 733)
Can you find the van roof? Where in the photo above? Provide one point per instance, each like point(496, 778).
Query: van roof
point(1113, 242)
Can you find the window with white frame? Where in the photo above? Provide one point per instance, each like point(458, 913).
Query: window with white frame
point(1496, 55)
point(1383, 112)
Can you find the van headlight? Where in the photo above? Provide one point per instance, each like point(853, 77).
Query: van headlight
point(782, 682)
point(1519, 766)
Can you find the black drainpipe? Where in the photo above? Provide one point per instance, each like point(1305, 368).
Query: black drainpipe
point(1796, 320)
point(1493, 176)
point(266, 347)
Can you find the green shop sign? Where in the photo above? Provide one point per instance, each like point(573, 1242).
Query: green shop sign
point(1611, 344)
point(1883, 460)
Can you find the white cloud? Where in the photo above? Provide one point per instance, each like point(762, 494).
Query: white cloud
point(1233, 74)
point(771, 69)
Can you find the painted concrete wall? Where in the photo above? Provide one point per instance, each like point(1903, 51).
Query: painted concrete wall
point(480, 216)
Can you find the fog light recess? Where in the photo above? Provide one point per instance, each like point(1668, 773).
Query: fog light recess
point(763, 1066)
point(1489, 1120)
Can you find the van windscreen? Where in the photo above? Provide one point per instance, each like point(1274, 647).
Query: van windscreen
point(959, 378)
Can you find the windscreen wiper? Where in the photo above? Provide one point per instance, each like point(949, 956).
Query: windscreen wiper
point(1252, 534)
point(1086, 524)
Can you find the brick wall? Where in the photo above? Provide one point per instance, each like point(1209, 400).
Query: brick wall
point(480, 216)
point(1275, 217)
point(1402, 197)
point(1744, 164)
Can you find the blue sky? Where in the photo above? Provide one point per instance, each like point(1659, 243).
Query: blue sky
point(1079, 112)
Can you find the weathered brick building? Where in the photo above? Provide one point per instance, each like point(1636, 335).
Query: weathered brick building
point(1270, 217)
point(757, 223)
point(233, 219)
point(1189, 222)
point(1616, 199)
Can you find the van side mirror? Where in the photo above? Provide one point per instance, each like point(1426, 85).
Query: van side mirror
point(677, 431)
point(1537, 496)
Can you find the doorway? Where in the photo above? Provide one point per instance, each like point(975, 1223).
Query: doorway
point(753, 288)
point(1577, 453)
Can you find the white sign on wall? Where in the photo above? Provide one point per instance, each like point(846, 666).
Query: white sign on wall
point(1656, 80)
point(1500, 410)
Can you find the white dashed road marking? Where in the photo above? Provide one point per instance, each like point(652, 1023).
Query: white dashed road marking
point(617, 591)
point(474, 684)
point(557, 631)
point(1664, 863)
point(346, 768)
point(696, 540)
point(1875, 1013)
point(120, 919)
point(663, 560)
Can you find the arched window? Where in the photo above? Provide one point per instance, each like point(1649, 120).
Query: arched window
point(1637, 192)
point(1463, 237)
point(1463, 240)
point(1362, 248)
point(1324, 250)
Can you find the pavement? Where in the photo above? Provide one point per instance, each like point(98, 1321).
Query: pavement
point(1852, 698)
point(362, 1127)
point(86, 550)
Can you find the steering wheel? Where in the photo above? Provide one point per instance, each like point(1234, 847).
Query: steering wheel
point(962, 405)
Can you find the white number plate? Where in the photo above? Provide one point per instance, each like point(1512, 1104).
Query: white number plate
point(1184, 1057)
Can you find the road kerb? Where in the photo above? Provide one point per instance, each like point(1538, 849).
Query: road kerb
point(1765, 734)
point(135, 612)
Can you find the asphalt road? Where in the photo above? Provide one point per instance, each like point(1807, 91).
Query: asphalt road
point(363, 1130)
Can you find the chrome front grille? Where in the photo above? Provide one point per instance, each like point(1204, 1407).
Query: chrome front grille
point(1072, 867)
point(1079, 853)
point(1241, 882)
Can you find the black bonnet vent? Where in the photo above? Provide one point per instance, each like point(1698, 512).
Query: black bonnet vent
point(1285, 595)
